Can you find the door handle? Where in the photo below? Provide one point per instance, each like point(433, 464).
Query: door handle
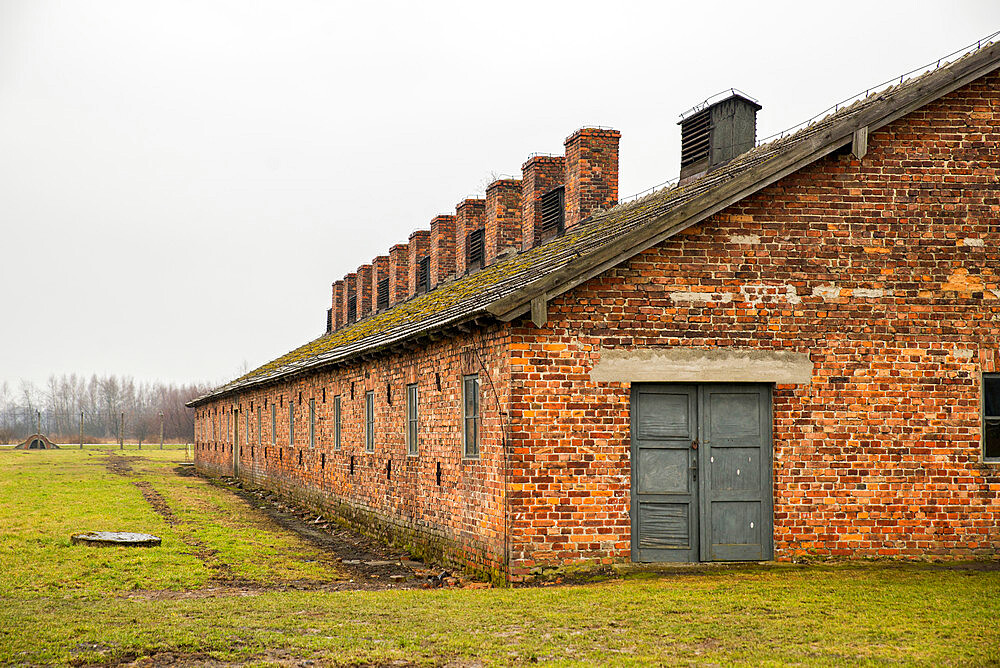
point(694, 461)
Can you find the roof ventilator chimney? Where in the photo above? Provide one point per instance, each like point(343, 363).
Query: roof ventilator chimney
point(715, 132)
point(352, 308)
point(383, 294)
point(423, 274)
point(475, 248)
point(553, 213)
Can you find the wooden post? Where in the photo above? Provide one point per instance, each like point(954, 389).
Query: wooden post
point(121, 433)
point(161, 430)
point(81, 430)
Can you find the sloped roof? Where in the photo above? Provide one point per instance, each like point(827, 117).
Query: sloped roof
point(506, 289)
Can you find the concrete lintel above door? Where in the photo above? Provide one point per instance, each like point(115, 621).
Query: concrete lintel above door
point(702, 365)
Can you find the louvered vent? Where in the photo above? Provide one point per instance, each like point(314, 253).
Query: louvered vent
point(553, 213)
point(695, 135)
point(383, 294)
point(329, 320)
point(475, 249)
point(718, 133)
point(424, 274)
point(352, 308)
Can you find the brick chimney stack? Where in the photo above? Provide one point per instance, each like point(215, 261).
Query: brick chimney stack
point(503, 218)
point(339, 296)
point(420, 242)
point(442, 249)
point(470, 214)
point(399, 275)
point(539, 175)
point(380, 272)
point(350, 292)
point(591, 172)
point(364, 290)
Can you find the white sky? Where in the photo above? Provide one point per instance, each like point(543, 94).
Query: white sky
point(181, 182)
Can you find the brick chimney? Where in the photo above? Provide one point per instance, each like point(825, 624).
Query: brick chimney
point(539, 175)
point(442, 249)
point(364, 290)
point(470, 214)
point(420, 242)
point(350, 295)
point(380, 273)
point(503, 218)
point(591, 173)
point(399, 276)
point(339, 297)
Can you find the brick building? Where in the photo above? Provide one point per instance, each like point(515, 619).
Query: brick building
point(793, 351)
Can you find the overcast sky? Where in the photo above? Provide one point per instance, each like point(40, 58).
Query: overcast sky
point(181, 182)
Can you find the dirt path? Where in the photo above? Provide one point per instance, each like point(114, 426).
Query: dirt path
point(371, 564)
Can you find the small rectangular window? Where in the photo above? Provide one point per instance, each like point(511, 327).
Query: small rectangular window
point(991, 416)
point(215, 432)
point(291, 423)
point(383, 294)
point(312, 423)
point(475, 250)
point(336, 422)
point(470, 415)
point(274, 424)
point(370, 421)
point(412, 419)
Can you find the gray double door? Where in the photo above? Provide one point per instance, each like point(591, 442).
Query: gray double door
point(701, 472)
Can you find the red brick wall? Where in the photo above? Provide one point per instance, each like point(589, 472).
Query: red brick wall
point(883, 270)
point(461, 521)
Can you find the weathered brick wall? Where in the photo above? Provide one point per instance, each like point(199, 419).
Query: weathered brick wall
point(461, 520)
point(883, 270)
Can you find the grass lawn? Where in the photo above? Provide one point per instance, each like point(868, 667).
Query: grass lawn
point(229, 585)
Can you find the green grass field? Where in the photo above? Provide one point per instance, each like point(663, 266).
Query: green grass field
point(229, 585)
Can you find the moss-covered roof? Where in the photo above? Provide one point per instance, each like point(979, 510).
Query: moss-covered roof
point(559, 264)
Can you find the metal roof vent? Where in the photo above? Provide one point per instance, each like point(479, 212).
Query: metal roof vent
point(716, 131)
point(382, 296)
point(553, 213)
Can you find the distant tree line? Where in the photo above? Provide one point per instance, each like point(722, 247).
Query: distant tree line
point(102, 400)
